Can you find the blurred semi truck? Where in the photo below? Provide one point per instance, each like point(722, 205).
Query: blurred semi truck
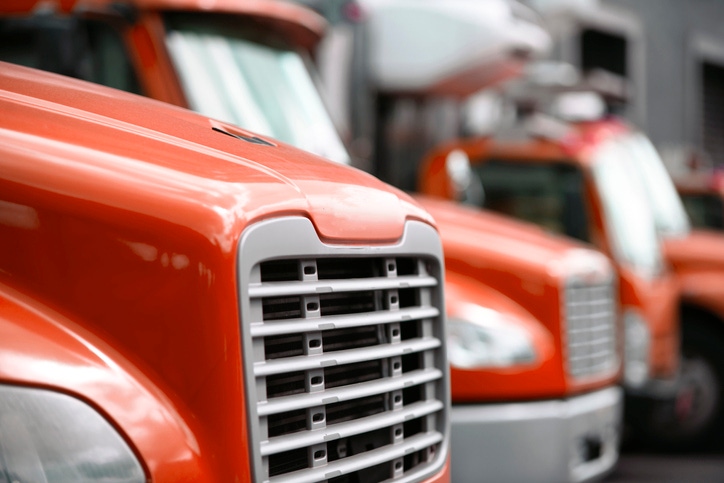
point(674, 98)
point(577, 185)
point(581, 179)
point(533, 344)
point(693, 416)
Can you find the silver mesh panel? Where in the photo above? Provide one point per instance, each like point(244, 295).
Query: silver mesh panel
point(590, 329)
point(344, 363)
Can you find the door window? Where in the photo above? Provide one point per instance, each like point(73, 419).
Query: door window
point(549, 195)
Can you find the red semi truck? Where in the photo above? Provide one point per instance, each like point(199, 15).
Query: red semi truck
point(184, 300)
point(581, 180)
point(694, 415)
point(534, 349)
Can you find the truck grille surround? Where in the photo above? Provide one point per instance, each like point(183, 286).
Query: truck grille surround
point(343, 350)
point(589, 330)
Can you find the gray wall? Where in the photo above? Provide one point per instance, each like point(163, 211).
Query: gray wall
point(674, 33)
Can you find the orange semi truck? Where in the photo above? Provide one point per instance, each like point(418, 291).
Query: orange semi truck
point(693, 416)
point(579, 182)
point(183, 300)
point(533, 344)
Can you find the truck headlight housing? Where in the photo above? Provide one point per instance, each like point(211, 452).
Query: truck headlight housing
point(46, 436)
point(484, 338)
point(637, 346)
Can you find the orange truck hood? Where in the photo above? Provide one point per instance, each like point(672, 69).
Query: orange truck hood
point(501, 245)
point(528, 268)
point(213, 182)
point(698, 260)
point(700, 249)
point(125, 215)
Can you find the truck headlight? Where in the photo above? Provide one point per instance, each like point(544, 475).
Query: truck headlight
point(46, 436)
point(637, 345)
point(485, 338)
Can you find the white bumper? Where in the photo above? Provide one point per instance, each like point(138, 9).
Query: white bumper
point(571, 440)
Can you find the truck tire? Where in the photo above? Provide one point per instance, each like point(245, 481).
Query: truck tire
point(694, 417)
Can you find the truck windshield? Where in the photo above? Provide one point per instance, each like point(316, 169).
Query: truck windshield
point(547, 194)
point(628, 215)
point(241, 74)
point(668, 210)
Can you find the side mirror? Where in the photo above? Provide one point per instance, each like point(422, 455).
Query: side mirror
point(466, 186)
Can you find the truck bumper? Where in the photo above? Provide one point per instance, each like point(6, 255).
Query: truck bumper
point(569, 440)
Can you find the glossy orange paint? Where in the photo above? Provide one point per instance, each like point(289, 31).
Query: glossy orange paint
point(41, 348)
point(698, 260)
point(656, 299)
point(153, 65)
point(519, 271)
point(537, 380)
point(123, 214)
point(700, 182)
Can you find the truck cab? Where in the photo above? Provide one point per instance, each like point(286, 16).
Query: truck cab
point(184, 300)
point(576, 185)
point(534, 350)
point(246, 63)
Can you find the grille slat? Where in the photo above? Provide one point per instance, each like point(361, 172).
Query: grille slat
point(350, 428)
point(294, 326)
point(284, 289)
point(590, 318)
point(348, 393)
point(347, 357)
point(362, 461)
point(344, 355)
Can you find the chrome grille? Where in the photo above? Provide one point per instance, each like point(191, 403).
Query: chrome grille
point(590, 329)
point(343, 348)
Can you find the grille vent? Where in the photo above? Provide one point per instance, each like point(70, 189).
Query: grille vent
point(590, 329)
point(346, 366)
